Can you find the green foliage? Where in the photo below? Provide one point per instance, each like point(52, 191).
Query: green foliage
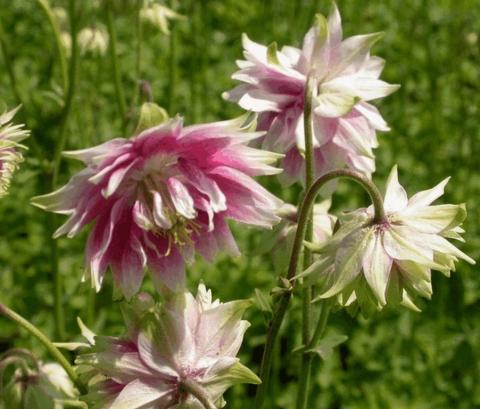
point(394, 360)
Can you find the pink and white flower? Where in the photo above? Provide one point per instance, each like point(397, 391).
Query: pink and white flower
point(189, 338)
point(10, 155)
point(347, 79)
point(160, 196)
point(391, 261)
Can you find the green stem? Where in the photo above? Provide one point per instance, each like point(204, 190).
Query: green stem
point(195, 60)
point(282, 305)
point(58, 40)
point(306, 361)
point(138, 56)
point(172, 68)
point(52, 349)
point(122, 107)
point(57, 159)
point(199, 392)
point(139, 31)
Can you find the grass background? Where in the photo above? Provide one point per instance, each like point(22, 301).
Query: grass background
point(394, 360)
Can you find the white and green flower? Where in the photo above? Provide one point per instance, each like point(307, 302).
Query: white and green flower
point(391, 262)
point(10, 155)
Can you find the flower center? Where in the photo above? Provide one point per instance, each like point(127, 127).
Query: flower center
point(165, 208)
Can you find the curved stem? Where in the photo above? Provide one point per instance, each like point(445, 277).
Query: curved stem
point(306, 362)
point(199, 392)
point(57, 159)
point(58, 40)
point(122, 107)
point(282, 305)
point(52, 349)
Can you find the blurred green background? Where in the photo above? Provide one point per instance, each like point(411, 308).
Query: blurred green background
point(394, 360)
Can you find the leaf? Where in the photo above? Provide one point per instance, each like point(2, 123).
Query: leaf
point(327, 344)
point(263, 302)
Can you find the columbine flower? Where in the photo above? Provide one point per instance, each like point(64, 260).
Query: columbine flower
point(157, 197)
point(346, 75)
point(38, 386)
point(158, 15)
point(10, 156)
point(93, 40)
point(279, 244)
point(190, 339)
point(391, 261)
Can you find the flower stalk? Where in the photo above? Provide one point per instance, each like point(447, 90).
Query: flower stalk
point(306, 359)
point(282, 305)
point(51, 348)
point(199, 392)
point(58, 42)
point(121, 104)
point(72, 81)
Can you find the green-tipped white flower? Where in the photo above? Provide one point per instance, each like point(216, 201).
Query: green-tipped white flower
point(33, 384)
point(10, 156)
point(166, 348)
point(158, 16)
point(391, 261)
point(93, 40)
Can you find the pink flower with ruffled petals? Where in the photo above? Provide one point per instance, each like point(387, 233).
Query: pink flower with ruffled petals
point(160, 196)
point(346, 77)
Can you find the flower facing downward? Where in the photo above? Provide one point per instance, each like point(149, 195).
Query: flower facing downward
point(158, 15)
point(161, 195)
point(347, 78)
point(34, 384)
point(189, 339)
point(93, 40)
point(10, 156)
point(391, 261)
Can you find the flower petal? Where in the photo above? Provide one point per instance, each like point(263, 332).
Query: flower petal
point(395, 196)
point(377, 265)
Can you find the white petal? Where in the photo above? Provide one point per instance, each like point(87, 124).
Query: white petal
point(349, 259)
point(376, 267)
point(333, 104)
point(395, 196)
point(160, 215)
point(433, 219)
point(139, 395)
point(426, 197)
point(373, 116)
point(181, 198)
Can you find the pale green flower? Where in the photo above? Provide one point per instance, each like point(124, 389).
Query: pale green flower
point(158, 15)
point(34, 384)
point(93, 40)
point(10, 156)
